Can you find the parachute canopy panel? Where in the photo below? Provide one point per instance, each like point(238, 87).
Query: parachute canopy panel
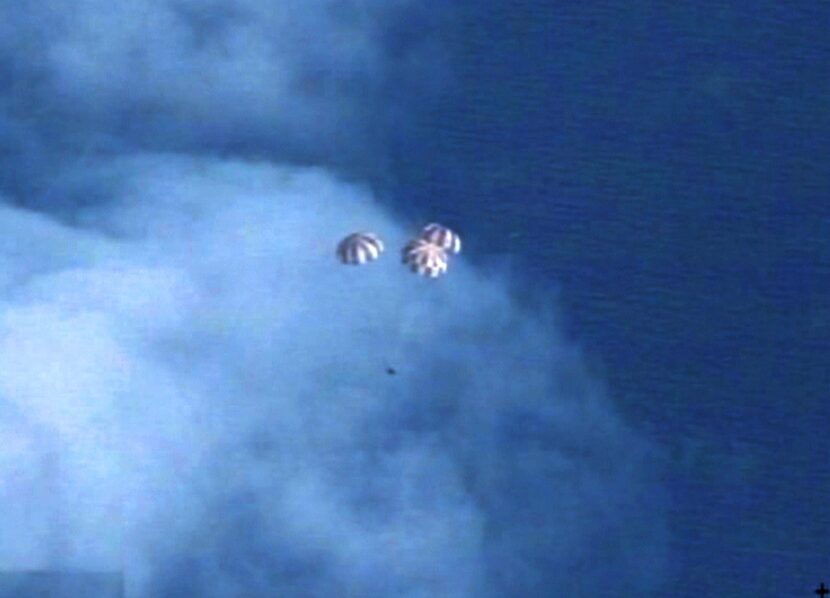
point(425, 258)
point(443, 237)
point(359, 248)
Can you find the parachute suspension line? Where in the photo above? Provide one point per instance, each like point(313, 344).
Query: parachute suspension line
point(424, 258)
point(426, 255)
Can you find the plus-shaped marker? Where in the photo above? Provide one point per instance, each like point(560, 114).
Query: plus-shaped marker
point(822, 591)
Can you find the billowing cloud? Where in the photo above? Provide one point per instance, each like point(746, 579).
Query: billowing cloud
point(210, 384)
point(194, 391)
point(307, 81)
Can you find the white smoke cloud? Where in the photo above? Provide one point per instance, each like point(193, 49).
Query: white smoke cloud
point(194, 392)
point(207, 376)
point(304, 81)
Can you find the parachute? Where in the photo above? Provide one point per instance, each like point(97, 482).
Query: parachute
point(440, 235)
point(425, 258)
point(359, 248)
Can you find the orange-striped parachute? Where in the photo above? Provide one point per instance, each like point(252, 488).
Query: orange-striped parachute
point(359, 248)
point(425, 258)
point(440, 235)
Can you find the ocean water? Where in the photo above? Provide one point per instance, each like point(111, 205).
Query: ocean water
point(663, 166)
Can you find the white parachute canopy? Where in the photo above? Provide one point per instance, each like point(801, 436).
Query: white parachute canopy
point(359, 248)
point(440, 235)
point(425, 258)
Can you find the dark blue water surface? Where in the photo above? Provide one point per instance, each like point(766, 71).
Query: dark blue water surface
point(665, 165)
